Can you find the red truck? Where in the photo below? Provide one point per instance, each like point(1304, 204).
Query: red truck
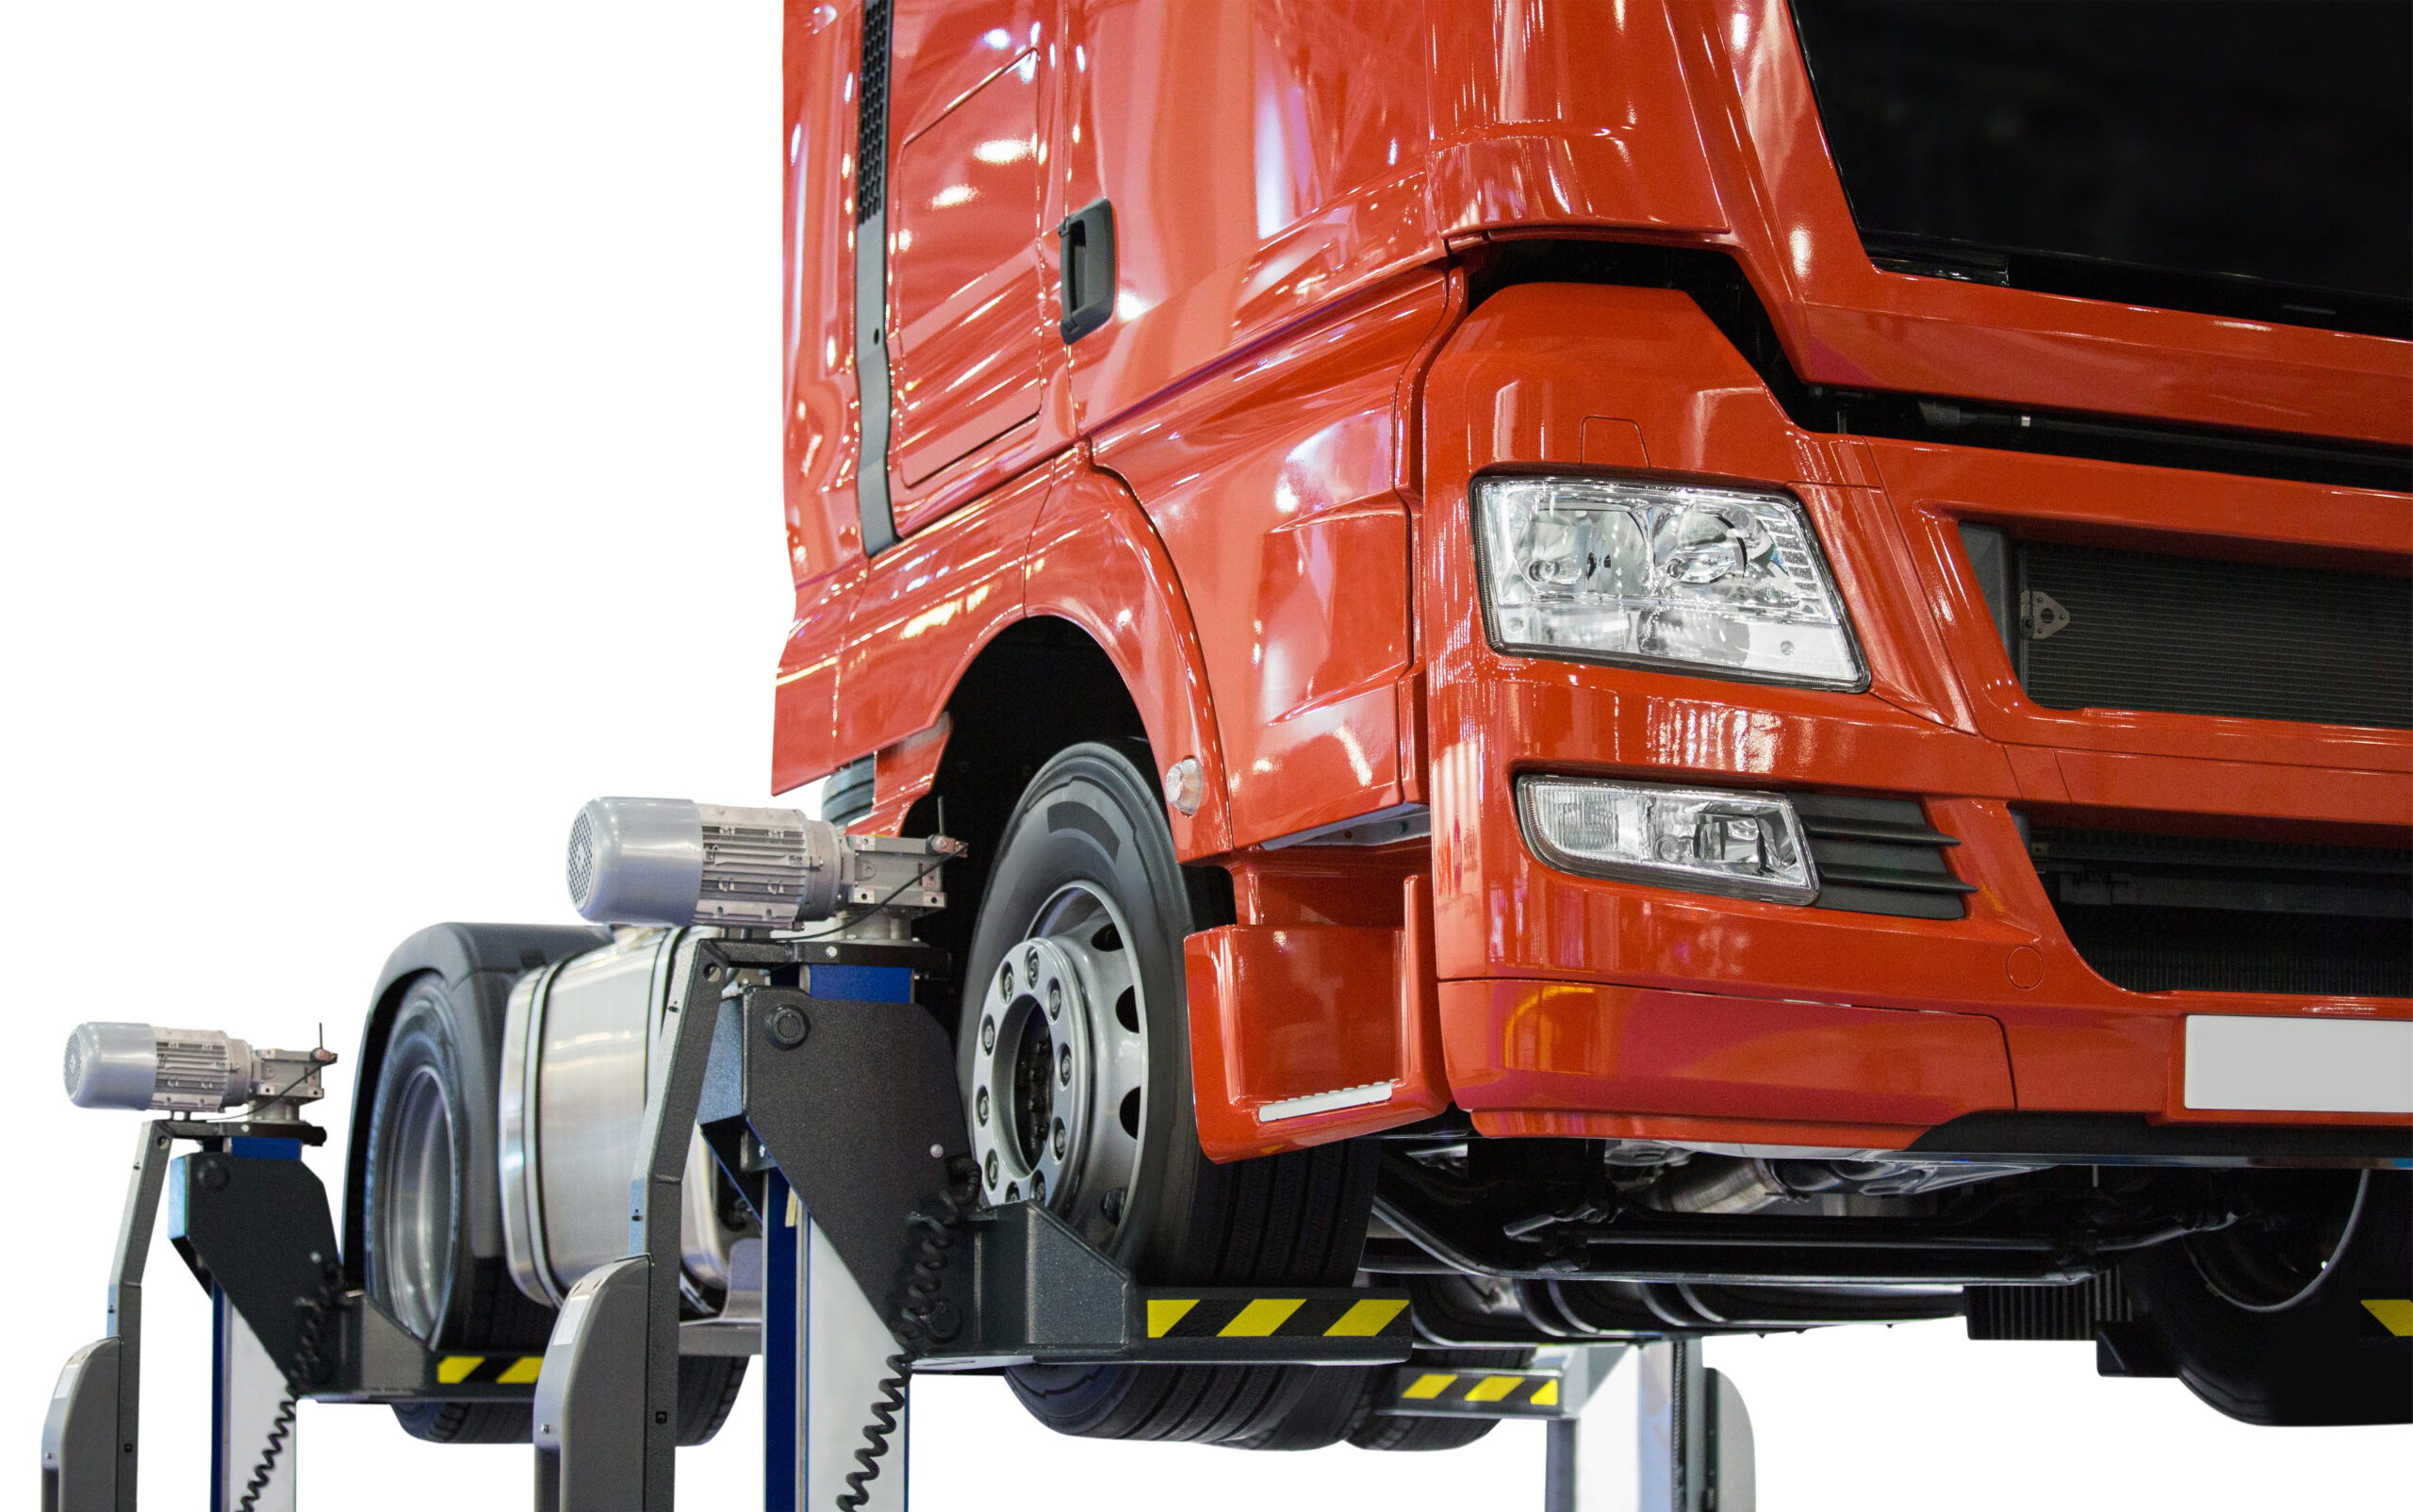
point(1653, 667)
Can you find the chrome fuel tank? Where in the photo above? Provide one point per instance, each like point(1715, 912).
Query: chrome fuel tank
point(577, 1042)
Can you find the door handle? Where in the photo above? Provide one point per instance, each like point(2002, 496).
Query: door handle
point(1087, 240)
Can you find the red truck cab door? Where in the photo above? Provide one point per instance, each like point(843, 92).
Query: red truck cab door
point(966, 272)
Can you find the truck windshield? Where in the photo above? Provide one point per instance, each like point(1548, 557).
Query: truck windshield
point(2251, 159)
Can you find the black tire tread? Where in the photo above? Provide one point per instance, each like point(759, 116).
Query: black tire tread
point(1387, 1433)
point(1294, 1219)
point(708, 1388)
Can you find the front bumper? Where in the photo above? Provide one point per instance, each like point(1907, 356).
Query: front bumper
point(1577, 1006)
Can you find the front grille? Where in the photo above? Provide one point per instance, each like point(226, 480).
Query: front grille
point(2097, 629)
point(1878, 855)
point(2168, 912)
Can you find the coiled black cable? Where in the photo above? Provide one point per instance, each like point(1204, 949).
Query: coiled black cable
point(938, 1231)
point(314, 1312)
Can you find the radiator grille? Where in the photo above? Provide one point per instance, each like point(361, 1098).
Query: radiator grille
point(2100, 629)
point(1879, 856)
point(2162, 912)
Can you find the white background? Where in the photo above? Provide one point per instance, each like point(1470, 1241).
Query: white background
point(388, 462)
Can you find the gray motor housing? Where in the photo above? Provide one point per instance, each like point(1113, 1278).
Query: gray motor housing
point(675, 861)
point(144, 1069)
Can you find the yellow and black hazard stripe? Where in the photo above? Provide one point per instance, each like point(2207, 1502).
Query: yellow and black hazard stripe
point(1244, 1315)
point(487, 1370)
point(1418, 1391)
point(2393, 1314)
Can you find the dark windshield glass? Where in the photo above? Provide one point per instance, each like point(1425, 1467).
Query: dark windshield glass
point(2210, 142)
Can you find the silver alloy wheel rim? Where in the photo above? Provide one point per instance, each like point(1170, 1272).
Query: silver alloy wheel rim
point(1057, 1099)
point(415, 1206)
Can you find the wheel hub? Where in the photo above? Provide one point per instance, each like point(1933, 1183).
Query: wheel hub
point(1059, 1070)
point(416, 1216)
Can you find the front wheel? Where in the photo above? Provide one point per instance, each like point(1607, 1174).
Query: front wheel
point(1073, 1054)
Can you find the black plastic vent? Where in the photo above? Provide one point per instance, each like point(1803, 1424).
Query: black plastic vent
point(2170, 912)
point(871, 116)
point(2097, 629)
point(1879, 856)
point(2068, 1313)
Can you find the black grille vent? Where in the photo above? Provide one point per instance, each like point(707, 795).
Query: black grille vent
point(2063, 1312)
point(871, 116)
point(1879, 856)
point(2101, 629)
point(2167, 912)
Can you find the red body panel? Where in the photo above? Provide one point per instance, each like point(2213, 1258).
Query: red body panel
point(1272, 545)
point(1270, 482)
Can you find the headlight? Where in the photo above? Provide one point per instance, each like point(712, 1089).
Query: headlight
point(1661, 575)
point(1707, 840)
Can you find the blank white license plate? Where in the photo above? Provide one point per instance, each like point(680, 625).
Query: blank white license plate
point(2299, 1065)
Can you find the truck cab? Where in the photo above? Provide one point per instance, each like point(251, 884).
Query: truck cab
point(1652, 669)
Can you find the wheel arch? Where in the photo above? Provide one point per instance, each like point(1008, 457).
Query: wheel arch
point(478, 963)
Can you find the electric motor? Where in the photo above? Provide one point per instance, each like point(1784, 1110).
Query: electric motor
point(183, 1071)
point(674, 861)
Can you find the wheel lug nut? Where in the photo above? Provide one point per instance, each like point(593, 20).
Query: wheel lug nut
point(1006, 978)
point(1064, 1065)
point(1030, 964)
point(1055, 999)
point(988, 1035)
point(1038, 1186)
point(1059, 1139)
point(992, 1170)
point(980, 1107)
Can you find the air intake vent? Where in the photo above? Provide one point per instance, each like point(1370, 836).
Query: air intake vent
point(2126, 629)
point(871, 116)
point(2170, 912)
point(1879, 856)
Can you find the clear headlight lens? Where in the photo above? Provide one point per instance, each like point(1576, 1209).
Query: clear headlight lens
point(1660, 574)
point(1740, 845)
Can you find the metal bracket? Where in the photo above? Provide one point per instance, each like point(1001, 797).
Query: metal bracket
point(1030, 1290)
point(854, 1102)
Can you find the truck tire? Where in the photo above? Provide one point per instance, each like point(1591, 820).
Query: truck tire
point(708, 1386)
point(1400, 1434)
point(2266, 1321)
point(1085, 870)
point(415, 1188)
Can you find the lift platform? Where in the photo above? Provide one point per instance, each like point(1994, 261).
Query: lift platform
point(838, 1117)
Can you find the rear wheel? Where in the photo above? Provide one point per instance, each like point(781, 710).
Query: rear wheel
point(1074, 1052)
point(2270, 1321)
point(415, 1191)
point(419, 1262)
point(1404, 1434)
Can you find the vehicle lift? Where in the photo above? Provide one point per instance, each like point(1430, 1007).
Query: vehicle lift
point(837, 1113)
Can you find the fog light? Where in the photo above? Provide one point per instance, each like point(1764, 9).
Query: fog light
point(1705, 840)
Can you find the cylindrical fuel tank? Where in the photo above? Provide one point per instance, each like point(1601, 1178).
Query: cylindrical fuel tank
point(577, 1042)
